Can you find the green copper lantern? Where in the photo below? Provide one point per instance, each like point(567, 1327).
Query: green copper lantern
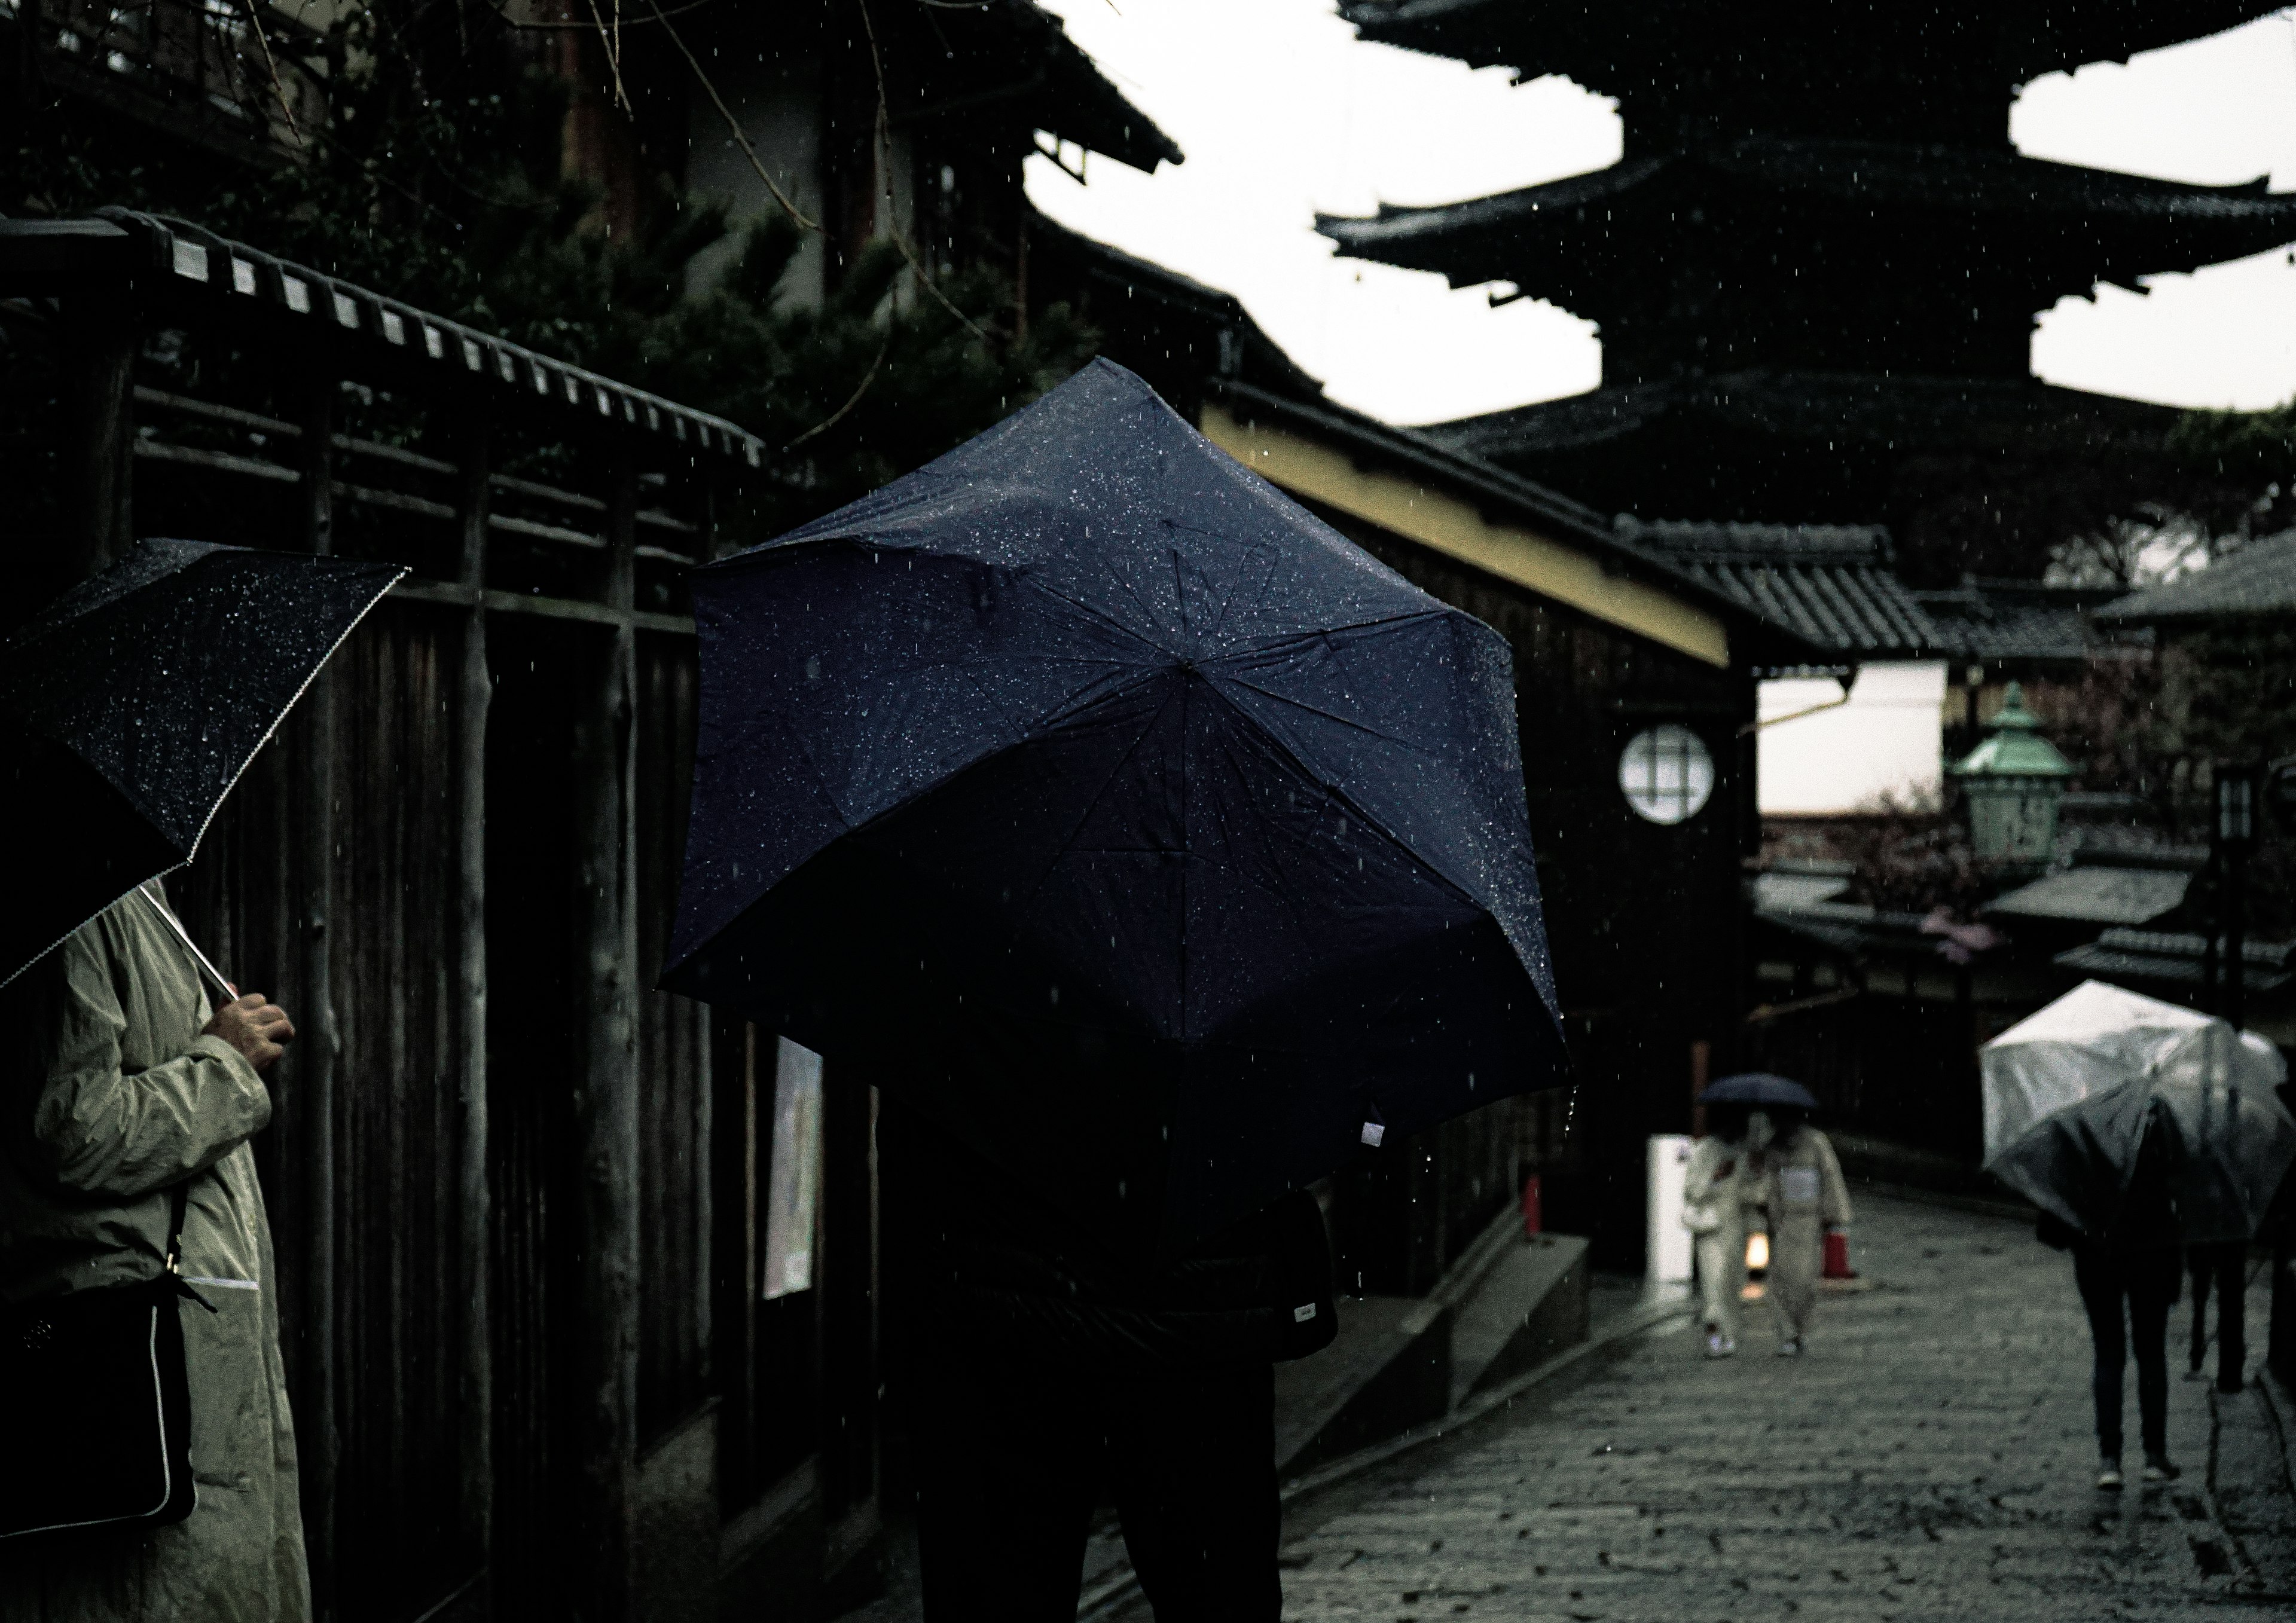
point(2013, 781)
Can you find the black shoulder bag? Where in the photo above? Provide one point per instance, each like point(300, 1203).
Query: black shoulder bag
point(100, 1409)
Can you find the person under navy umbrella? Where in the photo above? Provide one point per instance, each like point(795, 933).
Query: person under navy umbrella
point(1155, 852)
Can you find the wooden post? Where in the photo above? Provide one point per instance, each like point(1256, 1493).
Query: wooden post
point(606, 1102)
point(316, 1036)
point(473, 1186)
point(2212, 930)
point(99, 332)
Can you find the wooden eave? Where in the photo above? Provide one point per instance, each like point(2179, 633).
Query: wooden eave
point(1506, 527)
point(128, 256)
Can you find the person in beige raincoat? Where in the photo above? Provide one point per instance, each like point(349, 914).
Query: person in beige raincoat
point(122, 1081)
point(1716, 1191)
point(1802, 1188)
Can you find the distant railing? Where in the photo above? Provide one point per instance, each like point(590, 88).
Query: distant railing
point(230, 75)
point(1902, 1069)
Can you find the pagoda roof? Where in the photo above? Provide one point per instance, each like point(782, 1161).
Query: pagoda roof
point(1899, 410)
point(1566, 234)
point(1599, 46)
point(1831, 585)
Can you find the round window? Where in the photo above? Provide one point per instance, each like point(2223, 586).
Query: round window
point(1666, 773)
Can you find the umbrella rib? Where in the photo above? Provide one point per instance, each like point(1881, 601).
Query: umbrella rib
point(1289, 640)
point(381, 592)
point(1068, 842)
point(1100, 615)
point(1315, 709)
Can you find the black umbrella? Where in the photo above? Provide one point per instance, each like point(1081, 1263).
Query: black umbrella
point(1130, 821)
point(129, 709)
point(1758, 1088)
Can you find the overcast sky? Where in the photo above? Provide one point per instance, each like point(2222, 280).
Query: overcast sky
point(1282, 111)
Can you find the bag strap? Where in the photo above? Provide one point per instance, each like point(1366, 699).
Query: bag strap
point(177, 1199)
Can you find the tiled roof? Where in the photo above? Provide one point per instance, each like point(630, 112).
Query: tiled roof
point(2144, 956)
point(1831, 585)
point(2019, 621)
point(1502, 492)
point(2099, 895)
point(2260, 579)
point(1064, 93)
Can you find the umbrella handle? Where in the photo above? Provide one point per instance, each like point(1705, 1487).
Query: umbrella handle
point(229, 991)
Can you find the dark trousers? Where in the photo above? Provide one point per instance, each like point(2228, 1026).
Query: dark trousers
point(1010, 1463)
point(2227, 1267)
point(2148, 1284)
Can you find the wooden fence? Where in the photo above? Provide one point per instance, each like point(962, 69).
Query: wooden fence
point(1897, 1068)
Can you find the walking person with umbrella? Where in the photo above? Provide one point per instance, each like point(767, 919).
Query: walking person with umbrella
point(1718, 1188)
point(1155, 851)
point(151, 1470)
point(1792, 1165)
point(2126, 1270)
point(2137, 1128)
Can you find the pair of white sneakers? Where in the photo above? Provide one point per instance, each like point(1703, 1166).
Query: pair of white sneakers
point(1719, 1345)
point(2157, 1469)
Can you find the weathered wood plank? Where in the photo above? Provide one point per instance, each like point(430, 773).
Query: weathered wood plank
point(606, 1113)
point(473, 1186)
point(316, 1035)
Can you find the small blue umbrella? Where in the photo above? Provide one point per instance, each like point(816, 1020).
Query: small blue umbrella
point(1092, 797)
point(1757, 1087)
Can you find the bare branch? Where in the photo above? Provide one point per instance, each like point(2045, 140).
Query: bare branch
point(509, 21)
point(272, 63)
point(733, 124)
point(831, 420)
point(612, 45)
point(885, 168)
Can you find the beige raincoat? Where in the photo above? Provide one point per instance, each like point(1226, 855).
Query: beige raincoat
point(1716, 1182)
point(1803, 1188)
point(110, 1097)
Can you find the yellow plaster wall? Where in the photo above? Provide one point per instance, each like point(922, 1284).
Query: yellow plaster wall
point(1455, 528)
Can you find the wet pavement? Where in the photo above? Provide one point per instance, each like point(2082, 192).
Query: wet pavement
point(1931, 1457)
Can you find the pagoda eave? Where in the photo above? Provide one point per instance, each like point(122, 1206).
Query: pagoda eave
point(1612, 49)
point(2068, 227)
point(1894, 412)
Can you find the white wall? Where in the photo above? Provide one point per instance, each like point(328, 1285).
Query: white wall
point(1887, 740)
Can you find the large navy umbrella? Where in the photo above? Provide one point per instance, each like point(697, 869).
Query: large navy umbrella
point(130, 707)
point(1119, 815)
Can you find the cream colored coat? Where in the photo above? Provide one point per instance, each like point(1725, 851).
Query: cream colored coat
point(118, 1099)
point(1803, 1189)
point(1717, 1176)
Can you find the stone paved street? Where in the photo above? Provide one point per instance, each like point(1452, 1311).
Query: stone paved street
point(1930, 1458)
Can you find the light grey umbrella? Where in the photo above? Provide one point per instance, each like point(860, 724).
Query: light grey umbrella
point(2069, 1092)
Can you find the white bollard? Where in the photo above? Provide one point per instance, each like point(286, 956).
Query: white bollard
point(1670, 1247)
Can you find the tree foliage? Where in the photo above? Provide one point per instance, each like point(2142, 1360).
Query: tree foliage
point(438, 182)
